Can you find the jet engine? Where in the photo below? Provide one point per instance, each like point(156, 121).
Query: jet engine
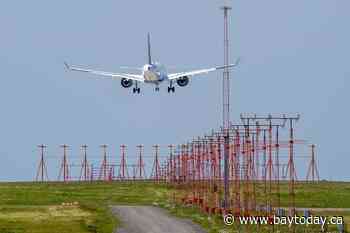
point(183, 81)
point(126, 83)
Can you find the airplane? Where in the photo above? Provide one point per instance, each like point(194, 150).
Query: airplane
point(152, 73)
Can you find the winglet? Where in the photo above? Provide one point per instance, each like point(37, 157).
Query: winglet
point(66, 65)
point(238, 61)
point(229, 66)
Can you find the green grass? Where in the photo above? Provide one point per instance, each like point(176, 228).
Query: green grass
point(33, 218)
point(19, 199)
point(56, 193)
point(93, 198)
point(40, 219)
point(322, 195)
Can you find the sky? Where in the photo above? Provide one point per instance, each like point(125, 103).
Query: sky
point(294, 54)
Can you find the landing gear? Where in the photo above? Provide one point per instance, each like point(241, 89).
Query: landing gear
point(157, 89)
point(136, 90)
point(171, 89)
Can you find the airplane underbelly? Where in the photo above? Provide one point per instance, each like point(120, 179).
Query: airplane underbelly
point(151, 77)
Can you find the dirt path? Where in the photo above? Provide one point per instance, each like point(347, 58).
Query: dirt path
point(148, 219)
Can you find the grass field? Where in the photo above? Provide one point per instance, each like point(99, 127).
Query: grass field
point(28, 207)
point(83, 207)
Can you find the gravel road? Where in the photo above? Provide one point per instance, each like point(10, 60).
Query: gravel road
point(148, 219)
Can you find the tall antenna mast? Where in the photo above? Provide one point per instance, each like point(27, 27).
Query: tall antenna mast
point(226, 106)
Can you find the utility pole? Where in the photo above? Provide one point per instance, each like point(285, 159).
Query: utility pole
point(226, 107)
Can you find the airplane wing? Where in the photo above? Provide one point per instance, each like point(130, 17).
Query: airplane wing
point(192, 73)
point(134, 77)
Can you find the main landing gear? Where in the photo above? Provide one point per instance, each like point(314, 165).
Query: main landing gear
point(171, 88)
point(136, 89)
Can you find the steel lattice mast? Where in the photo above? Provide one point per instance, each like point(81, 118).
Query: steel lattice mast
point(226, 107)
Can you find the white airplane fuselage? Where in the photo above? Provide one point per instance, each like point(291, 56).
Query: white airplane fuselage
point(154, 73)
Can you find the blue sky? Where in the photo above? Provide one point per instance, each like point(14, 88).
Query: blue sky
point(295, 59)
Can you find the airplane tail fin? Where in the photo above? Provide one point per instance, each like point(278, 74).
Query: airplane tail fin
point(149, 48)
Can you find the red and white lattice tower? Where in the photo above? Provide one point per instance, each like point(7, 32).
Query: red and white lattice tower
point(155, 174)
point(85, 169)
point(64, 169)
point(140, 167)
point(123, 168)
point(104, 165)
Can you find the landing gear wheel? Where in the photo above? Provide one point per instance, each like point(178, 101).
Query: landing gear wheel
point(171, 89)
point(157, 88)
point(136, 90)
